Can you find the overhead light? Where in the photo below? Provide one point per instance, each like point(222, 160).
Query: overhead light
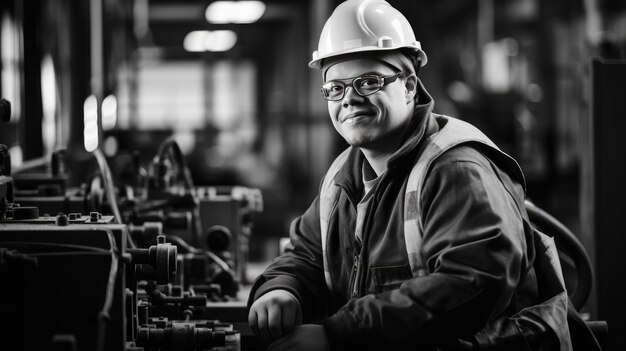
point(194, 41)
point(214, 41)
point(220, 40)
point(235, 11)
point(49, 96)
point(90, 119)
point(109, 112)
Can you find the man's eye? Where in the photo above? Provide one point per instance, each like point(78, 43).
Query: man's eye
point(336, 88)
point(368, 82)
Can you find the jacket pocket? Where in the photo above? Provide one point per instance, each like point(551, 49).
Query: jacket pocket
point(388, 277)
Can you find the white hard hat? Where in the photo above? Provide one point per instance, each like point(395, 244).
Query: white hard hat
point(365, 25)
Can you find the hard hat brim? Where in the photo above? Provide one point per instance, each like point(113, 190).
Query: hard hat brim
point(317, 62)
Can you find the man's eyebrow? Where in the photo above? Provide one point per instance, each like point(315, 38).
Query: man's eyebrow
point(369, 73)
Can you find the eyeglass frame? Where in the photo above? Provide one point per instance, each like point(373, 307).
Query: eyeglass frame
point(382, 82)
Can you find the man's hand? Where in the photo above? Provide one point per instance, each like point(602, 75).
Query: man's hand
point(274, 315)
point(306, 337)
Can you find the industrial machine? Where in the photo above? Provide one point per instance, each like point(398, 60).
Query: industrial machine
point(125, 266)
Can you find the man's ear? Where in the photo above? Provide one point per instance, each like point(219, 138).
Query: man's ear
point(410, 86)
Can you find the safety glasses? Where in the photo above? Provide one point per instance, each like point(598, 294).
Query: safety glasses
point(364, 85)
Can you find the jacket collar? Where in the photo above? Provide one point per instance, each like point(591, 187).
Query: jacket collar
point(421, 126)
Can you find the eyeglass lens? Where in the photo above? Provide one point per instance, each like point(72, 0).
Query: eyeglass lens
point(363, 85)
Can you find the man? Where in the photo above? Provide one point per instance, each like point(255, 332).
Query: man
point(419, 238)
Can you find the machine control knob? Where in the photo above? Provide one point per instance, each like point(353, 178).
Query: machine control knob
point(61, 220)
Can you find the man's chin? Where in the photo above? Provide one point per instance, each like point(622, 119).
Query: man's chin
point(359, 141)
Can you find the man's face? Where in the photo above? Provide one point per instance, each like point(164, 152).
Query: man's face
point(375, 121)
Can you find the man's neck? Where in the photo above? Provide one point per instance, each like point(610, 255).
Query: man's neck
point(378, 154)
point(377, 160)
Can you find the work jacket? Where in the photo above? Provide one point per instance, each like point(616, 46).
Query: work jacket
point(477, 247)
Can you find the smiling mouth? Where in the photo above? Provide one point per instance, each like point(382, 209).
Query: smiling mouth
point(357, 115)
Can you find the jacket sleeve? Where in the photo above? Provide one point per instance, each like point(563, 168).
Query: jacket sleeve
point(474, 248)
point(300, 269)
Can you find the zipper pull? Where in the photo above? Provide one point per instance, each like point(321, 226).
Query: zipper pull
point(355, 267)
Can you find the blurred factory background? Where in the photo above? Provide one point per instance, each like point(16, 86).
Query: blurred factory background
point(231, 86)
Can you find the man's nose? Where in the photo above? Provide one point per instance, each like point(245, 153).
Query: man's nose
point(351, 96)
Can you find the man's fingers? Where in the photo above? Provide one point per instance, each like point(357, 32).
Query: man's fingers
point(253, 321)
point(263, 326)
point(274, 314)
point(275, 321)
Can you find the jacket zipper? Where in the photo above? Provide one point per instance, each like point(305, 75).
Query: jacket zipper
point(355, 274)
point(356, 266)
